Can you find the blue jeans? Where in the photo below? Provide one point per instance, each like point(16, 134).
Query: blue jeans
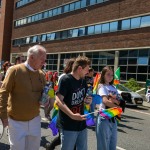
point(71, 138)
point(106, 134)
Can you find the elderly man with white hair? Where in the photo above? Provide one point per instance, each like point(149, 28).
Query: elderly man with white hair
point(19, 101)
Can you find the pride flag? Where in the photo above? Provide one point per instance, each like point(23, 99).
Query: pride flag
point(90, 118)
point(52, 124)
point(110, 112)
point(95, 83)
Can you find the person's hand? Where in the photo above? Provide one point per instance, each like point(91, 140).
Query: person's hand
point(78, 117)
point(5, 122)
point(88, 100)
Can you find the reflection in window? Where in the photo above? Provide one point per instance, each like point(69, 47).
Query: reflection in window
point(113, 26)
point(99, 1)
point(64, 34)
point(66, 8)
point(105, 28)
point(59, 10)
point(125, 24)
point(27, 40)
point(135, 22)
point(72, 6)
point(98, 29)
point(52, 36)
point(145, 21)
point(54, 12)
point(46, 14)
point(83, 3)
point(81, 31)
point(75, 33)
point(142, 61)
point(77, 5)
point(90, 30)
point(43, 38)
point(92, 2)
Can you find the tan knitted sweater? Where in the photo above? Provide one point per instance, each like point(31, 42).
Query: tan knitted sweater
point(22, 90)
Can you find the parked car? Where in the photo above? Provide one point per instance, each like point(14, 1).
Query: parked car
point(131, 98)
point(148, 95)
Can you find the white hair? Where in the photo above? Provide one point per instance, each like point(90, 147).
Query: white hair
point(34, 50)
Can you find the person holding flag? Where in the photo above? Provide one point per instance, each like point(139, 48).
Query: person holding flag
point(106, 126)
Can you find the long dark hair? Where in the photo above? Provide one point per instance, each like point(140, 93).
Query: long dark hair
point(69, 64)
point(104, 70)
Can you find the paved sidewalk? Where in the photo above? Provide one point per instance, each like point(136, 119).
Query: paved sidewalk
point(146, 104)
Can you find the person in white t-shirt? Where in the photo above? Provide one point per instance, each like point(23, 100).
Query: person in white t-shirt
point(106, 130)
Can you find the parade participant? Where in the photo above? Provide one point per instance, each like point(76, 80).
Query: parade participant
point(106, 130)
point(67, 69)
point(19, 101)
point(70, 99)
point(5, 67)
point(51, 96)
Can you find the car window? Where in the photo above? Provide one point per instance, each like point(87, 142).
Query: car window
point(122, 88)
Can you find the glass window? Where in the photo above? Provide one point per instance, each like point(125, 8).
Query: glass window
point(50, 13)
point(145, 21)
point(29, 19)
point(110, 61)
point(36, 17)
point(98, 29)
point(53, 36)
point(59, 10)
point(142, 69)
point(123, 54)
point(103, 61)
point(72, 5)
point(75, 32)
point(142, 60)
point(141, 77)
point(92, 2)
point(132, 61)
point(123, 68)
point(90, 30)
point(125, 24)
point(113, 26)
point(57, 35)
point(83, 3)
point(99, 1)
point(143, 52)
point(66, 8)
point(123, 76)
point(122, 61)
point(105, 28)
point(133, 53)
point(129, 76)
point(45, 14)
point(77, 5)
point(135, 22)
point(33, 18)
point(34, 39)
point(43, 38)
point(54, 12)
point(27, 40)
point(132, 69)
point(40, 16)
point(64, 34)
point(81, 31)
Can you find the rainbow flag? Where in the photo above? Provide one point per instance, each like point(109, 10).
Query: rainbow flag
point(110, 112)
point(95, 83)
point(90, 118)
point(52, 124)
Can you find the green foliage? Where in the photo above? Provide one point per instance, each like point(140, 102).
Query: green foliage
point(132, 85)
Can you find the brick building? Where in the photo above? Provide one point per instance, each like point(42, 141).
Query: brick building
point(110, 32)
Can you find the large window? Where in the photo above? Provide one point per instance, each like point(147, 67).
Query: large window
point(134, 63)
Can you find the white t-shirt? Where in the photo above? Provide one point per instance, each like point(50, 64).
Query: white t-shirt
point(105, 90)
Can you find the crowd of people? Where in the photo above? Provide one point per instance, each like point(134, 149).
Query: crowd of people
point(25, 86)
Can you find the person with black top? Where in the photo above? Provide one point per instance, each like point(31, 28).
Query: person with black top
point(70, 99)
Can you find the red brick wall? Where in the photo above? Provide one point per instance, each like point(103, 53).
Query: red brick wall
point(111, 10)
point(6, 29)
